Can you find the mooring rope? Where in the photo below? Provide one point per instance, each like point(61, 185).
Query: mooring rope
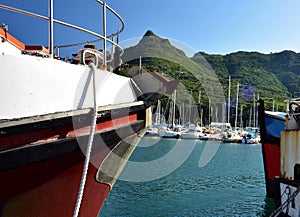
point(89, 146)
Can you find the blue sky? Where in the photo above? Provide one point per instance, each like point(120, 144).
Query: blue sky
point(212, 26)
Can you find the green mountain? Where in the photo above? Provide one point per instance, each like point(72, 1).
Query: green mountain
point(153, 46)
point(160, 55)
point(268, 73)
point(274, 76)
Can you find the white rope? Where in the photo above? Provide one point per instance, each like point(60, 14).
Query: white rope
point(89, 146)
point(278, 211)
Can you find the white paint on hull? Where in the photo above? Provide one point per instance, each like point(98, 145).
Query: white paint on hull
point(32, 85)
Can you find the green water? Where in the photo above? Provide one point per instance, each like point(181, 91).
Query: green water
point(230, 184)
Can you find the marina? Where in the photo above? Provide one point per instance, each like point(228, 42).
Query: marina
point(231, 184)
point(211, 133)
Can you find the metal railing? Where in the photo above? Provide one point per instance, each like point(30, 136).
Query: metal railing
point(51, 20)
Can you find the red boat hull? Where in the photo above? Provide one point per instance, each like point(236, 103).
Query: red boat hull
point(43, 178)
point(271, 156)
point(50, 188)
point(270, 127)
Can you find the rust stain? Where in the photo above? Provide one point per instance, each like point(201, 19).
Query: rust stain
point(289, 155)
point(296, 142)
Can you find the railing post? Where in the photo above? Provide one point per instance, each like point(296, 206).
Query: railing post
point(51, 46)
point(104, 34)
point(50, 19)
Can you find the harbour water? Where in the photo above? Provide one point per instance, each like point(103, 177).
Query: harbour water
point(230, 184)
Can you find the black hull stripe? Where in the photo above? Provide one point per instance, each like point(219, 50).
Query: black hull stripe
point(25, 155)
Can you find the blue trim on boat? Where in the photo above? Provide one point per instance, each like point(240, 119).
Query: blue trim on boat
point(275, 124)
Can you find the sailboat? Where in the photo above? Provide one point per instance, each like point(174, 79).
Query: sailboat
point(171, 131)
point(232, 135)
point(193, 131)
point(153, 131)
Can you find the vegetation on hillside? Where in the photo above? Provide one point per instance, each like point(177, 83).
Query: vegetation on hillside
point(274, 77)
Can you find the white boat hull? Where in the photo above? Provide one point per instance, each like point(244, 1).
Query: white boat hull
point(190, 135)
point(35, 86)
point(169, 134)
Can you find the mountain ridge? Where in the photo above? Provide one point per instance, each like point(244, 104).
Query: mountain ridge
point(274, 75)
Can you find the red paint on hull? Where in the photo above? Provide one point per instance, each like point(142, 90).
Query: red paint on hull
point(50, 188)
point(21, 139)
point(13, 141)
point(271, 154)
point(106, 125)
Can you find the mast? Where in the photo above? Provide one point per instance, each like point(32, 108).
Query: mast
point(183, 115)
point(201, 117)
point(216, 113)
point(236, 106)
point(190, 110)
point(228, 103)
point(209, 111)
point(174, 108)
point(241, 117)
point(256, 115)
point(157, 115)
point(200, 110)
point(180, 112)
point(250, 117)
point(254, 111)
